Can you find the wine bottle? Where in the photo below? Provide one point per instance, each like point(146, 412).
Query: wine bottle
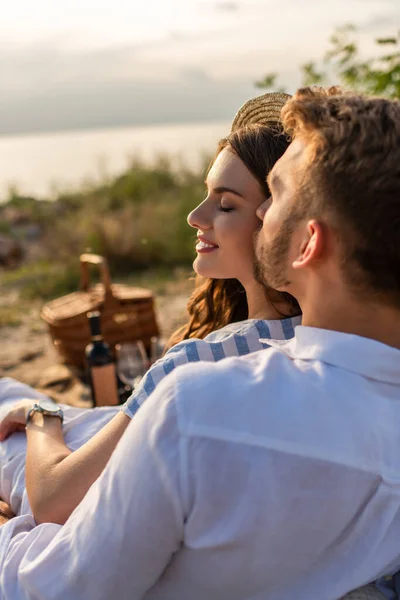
point(100, 363)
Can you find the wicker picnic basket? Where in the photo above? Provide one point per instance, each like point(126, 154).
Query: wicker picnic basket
point(127, 313)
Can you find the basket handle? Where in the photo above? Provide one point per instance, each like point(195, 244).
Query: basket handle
point(101, 263)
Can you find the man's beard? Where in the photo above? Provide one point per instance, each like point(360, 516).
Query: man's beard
point(271, 258)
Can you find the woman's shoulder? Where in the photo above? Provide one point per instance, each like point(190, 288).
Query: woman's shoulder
point(279, 329)
point(236, 339)
point(231, 329)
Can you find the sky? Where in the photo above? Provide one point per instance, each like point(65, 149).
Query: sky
point(68, 64)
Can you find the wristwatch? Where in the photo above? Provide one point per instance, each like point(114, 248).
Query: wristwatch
point(46, 407)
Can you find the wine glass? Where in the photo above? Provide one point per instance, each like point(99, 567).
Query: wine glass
point(132, 362)
point(156, 348)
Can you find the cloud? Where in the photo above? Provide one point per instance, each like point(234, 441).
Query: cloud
point(387, 21)
point(48, 87)
point(83, 92)
point(220, 6)
point(227, 6)
point(191, 74)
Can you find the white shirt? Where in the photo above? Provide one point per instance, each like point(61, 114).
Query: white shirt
point(81, 424)
point(235, 339)
point(267, 477)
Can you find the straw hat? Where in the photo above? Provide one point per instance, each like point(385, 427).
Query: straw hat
point(262, 110)
point(368, 592)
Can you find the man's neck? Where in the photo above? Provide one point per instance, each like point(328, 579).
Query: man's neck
point(375, 321)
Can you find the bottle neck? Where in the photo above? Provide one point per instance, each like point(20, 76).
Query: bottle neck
point(95, 326)
point(97, 339)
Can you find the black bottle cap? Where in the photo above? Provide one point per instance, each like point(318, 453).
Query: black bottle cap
point(94, 323)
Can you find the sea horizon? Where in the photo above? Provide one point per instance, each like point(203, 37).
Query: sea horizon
point(45, 163)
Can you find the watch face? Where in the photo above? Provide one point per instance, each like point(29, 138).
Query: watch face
point(48, 405)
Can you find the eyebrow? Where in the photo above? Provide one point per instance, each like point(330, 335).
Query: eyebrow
point(223, 189)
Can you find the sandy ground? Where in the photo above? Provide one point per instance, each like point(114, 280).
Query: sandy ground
point(27, 352)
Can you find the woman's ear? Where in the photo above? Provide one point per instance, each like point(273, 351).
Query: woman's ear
point(312, 245)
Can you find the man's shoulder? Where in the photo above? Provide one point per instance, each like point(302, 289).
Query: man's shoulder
point(204, 390)
point(231, 368)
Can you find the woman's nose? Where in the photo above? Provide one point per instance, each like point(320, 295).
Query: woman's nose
point(262, 209)
point(199, 218)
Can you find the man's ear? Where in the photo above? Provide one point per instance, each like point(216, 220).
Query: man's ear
point(312, 245)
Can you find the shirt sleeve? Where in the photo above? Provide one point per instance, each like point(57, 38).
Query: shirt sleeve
point(192, 350)
point(121, 537)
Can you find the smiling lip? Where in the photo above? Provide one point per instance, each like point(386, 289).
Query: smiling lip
point(203, 246)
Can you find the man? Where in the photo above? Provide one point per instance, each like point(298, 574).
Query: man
point(274, 476)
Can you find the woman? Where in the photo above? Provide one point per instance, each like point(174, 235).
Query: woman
point(56, 477)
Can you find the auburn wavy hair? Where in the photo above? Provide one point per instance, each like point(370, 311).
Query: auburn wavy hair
point(215, 303)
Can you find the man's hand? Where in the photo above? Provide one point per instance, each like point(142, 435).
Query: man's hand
point(5, 513)
point(16, 419)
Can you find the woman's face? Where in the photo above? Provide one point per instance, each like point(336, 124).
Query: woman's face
point(226, 220)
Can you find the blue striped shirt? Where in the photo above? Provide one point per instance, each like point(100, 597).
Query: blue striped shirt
point(236, 339)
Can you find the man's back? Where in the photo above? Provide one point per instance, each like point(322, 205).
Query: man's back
point(290, 466)
point(272, 476)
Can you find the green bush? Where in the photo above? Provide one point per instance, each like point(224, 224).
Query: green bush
point(137, 221)
point(43, 279)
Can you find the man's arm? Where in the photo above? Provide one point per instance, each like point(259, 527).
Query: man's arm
point(121, 537)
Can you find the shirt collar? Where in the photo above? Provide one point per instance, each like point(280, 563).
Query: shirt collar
point(361, 355)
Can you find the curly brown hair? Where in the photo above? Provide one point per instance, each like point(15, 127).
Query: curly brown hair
point(215, 303)
point(352, 182)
